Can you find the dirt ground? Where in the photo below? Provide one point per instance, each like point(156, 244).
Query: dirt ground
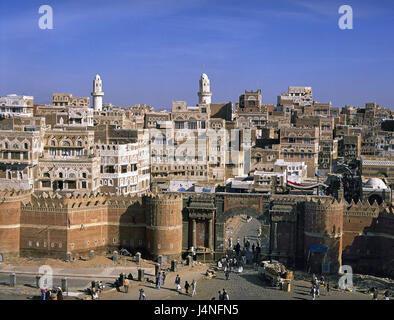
point(97, 262)
point(361, 283)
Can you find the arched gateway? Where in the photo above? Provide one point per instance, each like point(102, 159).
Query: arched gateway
point(232, 205)
point(205, 217)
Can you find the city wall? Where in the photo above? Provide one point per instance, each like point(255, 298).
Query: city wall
point(51, 225)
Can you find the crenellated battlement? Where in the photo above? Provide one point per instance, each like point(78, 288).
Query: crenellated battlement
point(364, 208)
point(324, 202)
point(13, 195)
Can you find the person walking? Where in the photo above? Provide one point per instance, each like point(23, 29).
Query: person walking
point(164, 277)
point(375, 294)
point(178, 283)
point(313, 292)
point(227, 274)
point(142, 295)
point(194, 285)
point(225, 295)
point(59, 294)
point(322, 279)
point(328, 288)
point(159, 281)
point(187, 286)
point(126, 285)
point(318, 290)
point(387, 294)
point(43, 293)
point(220, 295)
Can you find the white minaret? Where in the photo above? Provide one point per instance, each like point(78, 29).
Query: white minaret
point(97, 93)
point(204, 95)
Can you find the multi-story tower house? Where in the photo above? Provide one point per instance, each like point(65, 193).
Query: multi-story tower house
point(67, 99)
point(193, 118)
point(349, 147)
point(69, 162)
point(301, 145)
point(249, 110)
point(328, 154)
point(124, 160)
point(301, 96)
point(152, 119)
point(21, 147)
point(115, 118)
point(13, 105)
point(328, 146)
point(65, 116)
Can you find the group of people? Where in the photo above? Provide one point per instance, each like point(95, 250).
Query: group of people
point(123, 281)
point(52, 294)
point(249, 253)
point(222, 295)
point(161, 277)
point(97, 287)
point(316, 284)
point(187, 286)
point(230, 265)
point(375, 293)
point(236, 259)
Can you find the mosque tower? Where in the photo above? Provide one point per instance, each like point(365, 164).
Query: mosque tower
point(205, 94)
point(97, 93)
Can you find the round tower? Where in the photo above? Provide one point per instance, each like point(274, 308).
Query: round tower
point(205, 94)
point(97, 93)
point(323, 234)
point(164, 225)
point(12, 240)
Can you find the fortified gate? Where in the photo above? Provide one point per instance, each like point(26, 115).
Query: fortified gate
point(205, 216)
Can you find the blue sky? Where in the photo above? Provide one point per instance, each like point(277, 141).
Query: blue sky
point(153, 51)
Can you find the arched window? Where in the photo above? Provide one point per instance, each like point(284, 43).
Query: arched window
point(66, 144)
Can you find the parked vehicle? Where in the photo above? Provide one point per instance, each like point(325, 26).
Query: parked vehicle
point(274, 272)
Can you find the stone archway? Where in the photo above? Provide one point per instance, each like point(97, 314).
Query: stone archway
point(222, 218)
point(220, 225)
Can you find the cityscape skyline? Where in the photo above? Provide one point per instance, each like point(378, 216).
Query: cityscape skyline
point(247, 146)
point(176, 42)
